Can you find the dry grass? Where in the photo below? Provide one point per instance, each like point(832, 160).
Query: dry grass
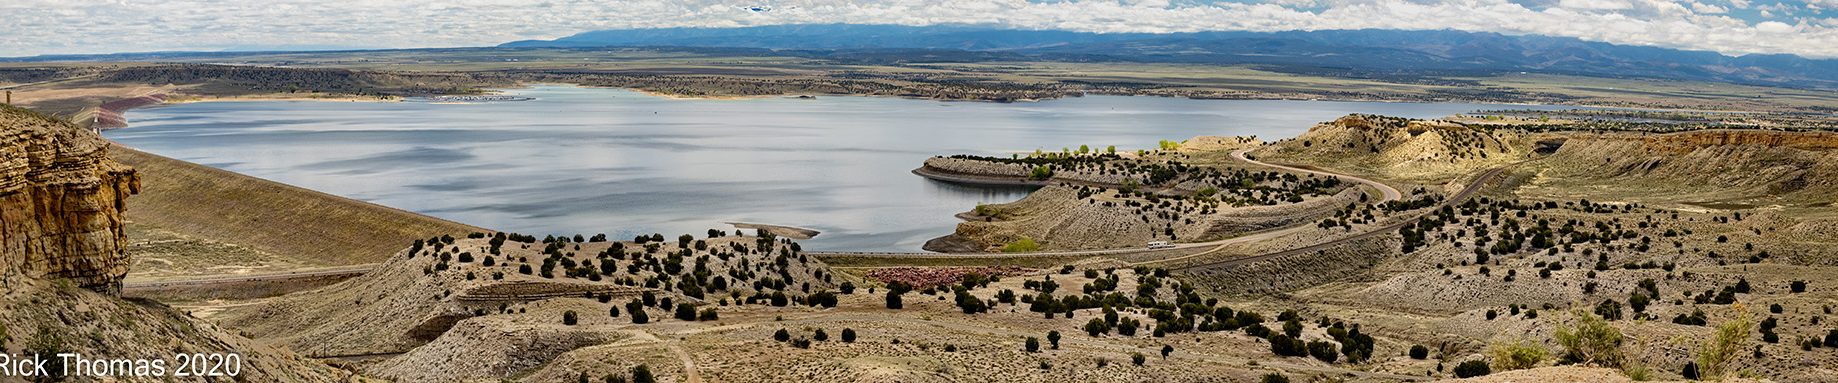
point(297, 224)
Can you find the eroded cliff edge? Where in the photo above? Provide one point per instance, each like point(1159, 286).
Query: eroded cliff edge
point(61, 204)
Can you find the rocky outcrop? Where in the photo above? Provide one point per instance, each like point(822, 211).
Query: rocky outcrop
point(1401, 149)
point(976, 171)
point(61, 203)
point(1752, 167)
point(1686, 142)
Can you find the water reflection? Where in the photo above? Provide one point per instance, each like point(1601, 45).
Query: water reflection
point(579, 160)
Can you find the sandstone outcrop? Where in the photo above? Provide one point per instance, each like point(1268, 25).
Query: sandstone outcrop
point(1401, 149)
point(61, 203)
point(1717, 168)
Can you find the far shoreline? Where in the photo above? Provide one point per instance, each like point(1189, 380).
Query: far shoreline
point(776, 229)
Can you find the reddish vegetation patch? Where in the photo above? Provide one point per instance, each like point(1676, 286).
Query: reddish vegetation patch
point(922, 277)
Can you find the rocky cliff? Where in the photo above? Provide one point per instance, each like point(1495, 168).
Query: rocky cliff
point(1745, 167)
point(61, 203)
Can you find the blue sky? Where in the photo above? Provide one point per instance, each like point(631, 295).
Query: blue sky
point(34, 27)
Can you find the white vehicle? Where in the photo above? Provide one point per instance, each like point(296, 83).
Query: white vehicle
point(1158, 245)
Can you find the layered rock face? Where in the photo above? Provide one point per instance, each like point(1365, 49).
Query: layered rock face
point(1401, 149)
point(61, 204)
point(1770, 167)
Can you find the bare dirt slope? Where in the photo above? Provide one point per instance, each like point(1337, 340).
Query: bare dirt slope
point(300, 225)
point(53, 318)
point(62, 260)
point(1713, 168)
point(1399, 149)
point(420, 293)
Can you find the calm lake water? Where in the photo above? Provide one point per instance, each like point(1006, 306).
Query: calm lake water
point(579, 160)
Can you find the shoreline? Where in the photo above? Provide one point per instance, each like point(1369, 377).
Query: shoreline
point(792, 232)
point(116, 112)
point(925, 172)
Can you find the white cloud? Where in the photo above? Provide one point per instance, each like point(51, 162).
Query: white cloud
point(1596, 4)
point(1708, 8)
point(90, 26)
point(1773, 27)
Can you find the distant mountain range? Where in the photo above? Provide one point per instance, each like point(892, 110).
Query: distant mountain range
point(1346, 52)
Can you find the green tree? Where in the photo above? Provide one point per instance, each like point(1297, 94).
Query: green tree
point(1324, 351)
point(1419, 352)
point(642, 374)
point(1033, 344)
point(1096, 327)
point(893, 300)
point(1609, 309)
point(570, 318)
point(1471, 369)
point(1053, 338)
point(638, 312)
point(1041, 173)
point(1283, 345)
point(848, 335)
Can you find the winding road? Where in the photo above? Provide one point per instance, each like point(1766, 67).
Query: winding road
point(1463, 195)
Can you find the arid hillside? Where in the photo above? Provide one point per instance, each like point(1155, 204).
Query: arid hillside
point(421, 292)
point(1404, 150)
point(1107, 200)
point(1718, 169)
point(63, 259)
point(1667, 239)
point(292, 225)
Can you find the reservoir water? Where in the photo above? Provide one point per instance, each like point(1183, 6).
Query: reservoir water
point(584, 160)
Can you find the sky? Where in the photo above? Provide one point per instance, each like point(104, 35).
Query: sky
point(37, 27)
